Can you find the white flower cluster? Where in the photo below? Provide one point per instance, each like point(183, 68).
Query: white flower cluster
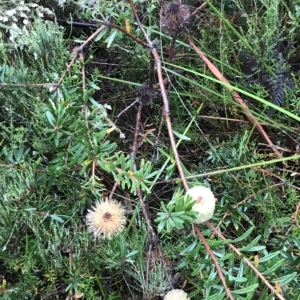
point(205, 203)
point(176, 295)
point(16, 18)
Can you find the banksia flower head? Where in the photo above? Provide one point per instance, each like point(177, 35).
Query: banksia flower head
point(106, 219)
point(205, 203)
point(176, 295)
point(174, 17)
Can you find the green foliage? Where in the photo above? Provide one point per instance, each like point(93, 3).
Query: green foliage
point(294, 15)
point(62, 150)
point(176, 215)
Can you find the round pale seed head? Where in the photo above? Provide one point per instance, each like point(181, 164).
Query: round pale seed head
point(106, 219)
point(176, 295)
point(205, 203)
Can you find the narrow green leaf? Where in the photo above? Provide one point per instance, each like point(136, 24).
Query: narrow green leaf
point(252, 244)
point(177, 214)
point(256, 248)
point(178, 220)
point(93, 85)
point(132, 253)
point(269, 256)
point(188, 218)
point(273, 268)
point(189, 248)
point(181, 136)
point(160, 226)
point(161, 218)
point(111, 38)
point(245, 235)
point(237, 279)
point(50, 118)
point(246, 290)
point(219, 296)
point(285, 279)
point(57, 218)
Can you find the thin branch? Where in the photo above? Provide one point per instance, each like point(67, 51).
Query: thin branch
point(155, 145)
point(164, 96)
point(213, 257)
point(29, 85)
point(139, 192)
point(113, 190)
point(137, 131)
point(172, 48)
point(199, 8)
point(124, 110)
point(9, 165)
point(79, 49)
point(139, 23)
point(237, 98)
point(226, 169)
point(128, 34)
point(85, 108)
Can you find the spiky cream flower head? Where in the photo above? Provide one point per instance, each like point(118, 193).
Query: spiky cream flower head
point(176, 295)
point(106, 219)
point(205, 203)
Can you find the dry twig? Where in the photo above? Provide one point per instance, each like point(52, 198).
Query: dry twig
point(237, 98)
point(213, 257)
point(164, 96)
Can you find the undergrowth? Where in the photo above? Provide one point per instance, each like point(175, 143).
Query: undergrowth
point(69, 138)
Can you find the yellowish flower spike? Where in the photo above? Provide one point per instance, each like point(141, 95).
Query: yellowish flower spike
point(205, 203)
point(176, 295)
point(106, 219)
